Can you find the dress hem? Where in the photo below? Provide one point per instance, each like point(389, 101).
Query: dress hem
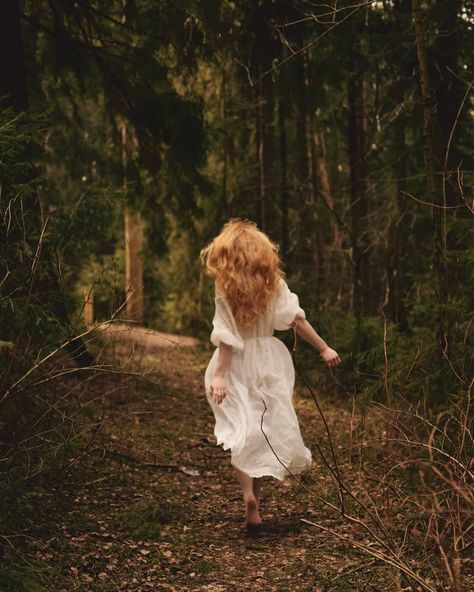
point(280, 475)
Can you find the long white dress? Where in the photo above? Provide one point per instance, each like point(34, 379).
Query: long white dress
point(260, 374)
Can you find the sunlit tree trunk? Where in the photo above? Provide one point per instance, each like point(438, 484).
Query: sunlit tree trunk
point(434, 196)
point(133, 245)
point(134, 265)
point(89, 308)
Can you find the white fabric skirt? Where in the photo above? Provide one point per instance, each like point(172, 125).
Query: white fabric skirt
point(257, 420)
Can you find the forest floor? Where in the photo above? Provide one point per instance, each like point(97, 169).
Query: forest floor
point(154, 504)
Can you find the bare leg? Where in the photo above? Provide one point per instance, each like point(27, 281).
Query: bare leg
point(257, 488)
point(252, 517)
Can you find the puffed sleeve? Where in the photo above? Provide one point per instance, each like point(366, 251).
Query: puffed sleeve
point(224, 327)
point(287, 308)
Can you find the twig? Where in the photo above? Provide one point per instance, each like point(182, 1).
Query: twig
point(168, 466)
point(458, 114)
point(432, 205)
point(307, 46)
point(348, 517)
point(326, 426)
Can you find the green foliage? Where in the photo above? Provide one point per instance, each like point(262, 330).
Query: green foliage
point(24, 579)
point(19, 511)
point(23, 232)
point(147, 517)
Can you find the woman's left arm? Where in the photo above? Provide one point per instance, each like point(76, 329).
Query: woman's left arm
point(307, 332)
point(218, 388)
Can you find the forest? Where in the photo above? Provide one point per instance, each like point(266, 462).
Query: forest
point(131, 132)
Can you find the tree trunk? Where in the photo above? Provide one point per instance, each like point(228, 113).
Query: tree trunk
point(133, 244)
point(325, 187)
point(265, 143)
point(133, 238)
point(89, 308)
point(134, 265)
point(269, 147)
point(328, 239)
point(303, 187)
point(228, 181)
point(266, 149)
point(446, 69)
point(433, 195)
point(285, 235)
point(260, 206)
point(12, 79)
point(398, 235)
point(449, 98)
point(300, 103)
point(399, 230)
point(358, 175)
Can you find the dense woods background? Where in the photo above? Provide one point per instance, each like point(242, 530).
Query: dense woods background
point(132, 130)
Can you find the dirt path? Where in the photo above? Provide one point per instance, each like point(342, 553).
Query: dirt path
point(155, 505)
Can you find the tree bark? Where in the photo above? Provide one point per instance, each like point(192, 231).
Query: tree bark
point(434, 196)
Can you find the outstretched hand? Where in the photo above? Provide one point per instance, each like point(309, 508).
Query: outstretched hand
point(331, 357)
point(218, 389)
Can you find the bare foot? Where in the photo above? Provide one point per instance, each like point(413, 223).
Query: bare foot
point(252, 516)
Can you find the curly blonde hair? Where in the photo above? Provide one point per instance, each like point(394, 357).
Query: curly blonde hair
point(246, 267)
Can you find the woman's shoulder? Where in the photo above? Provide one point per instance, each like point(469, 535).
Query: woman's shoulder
point(282, 286)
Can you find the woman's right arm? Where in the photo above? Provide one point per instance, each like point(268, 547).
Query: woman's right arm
point(218, 387)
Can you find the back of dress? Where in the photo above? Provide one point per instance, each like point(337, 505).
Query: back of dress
point(260, 380)
point(279, 315)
